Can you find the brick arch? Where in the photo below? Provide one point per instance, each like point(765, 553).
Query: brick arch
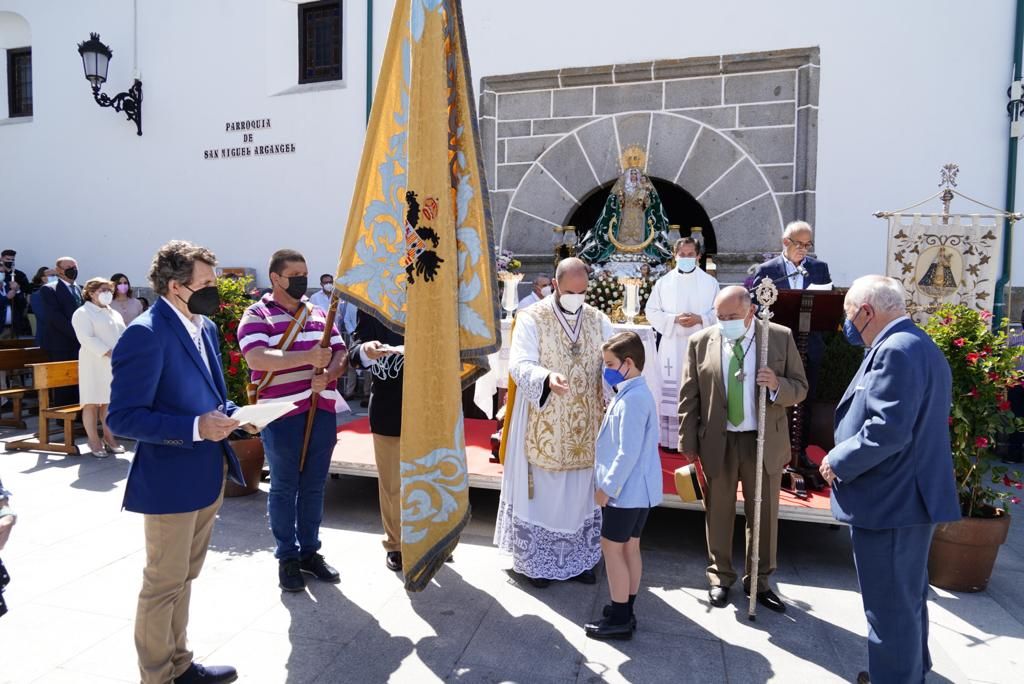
point(712, 166)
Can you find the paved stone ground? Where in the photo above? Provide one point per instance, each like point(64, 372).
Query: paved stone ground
point(76, 563)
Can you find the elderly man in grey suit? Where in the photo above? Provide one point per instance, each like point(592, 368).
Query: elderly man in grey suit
point(718, 408)
point(891, 473)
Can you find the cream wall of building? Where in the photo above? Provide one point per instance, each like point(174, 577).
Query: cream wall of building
point(905, 88)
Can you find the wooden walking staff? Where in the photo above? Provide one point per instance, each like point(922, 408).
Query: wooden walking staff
point(766, 294)
point(325, 341)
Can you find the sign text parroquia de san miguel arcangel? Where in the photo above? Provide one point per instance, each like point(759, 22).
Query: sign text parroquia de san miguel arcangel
point(248, 147)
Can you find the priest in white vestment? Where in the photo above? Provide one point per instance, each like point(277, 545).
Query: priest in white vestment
point(547, 518)
point(682, 303)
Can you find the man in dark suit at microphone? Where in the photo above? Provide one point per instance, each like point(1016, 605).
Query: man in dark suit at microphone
point(795, 270)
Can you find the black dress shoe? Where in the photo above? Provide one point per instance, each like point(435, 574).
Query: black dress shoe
point(316, 565)
point(289, 575)
point(607, 612)
point(769, 599)
point(605, 630)
point(539, 582)
point(718, 596)
point(585, 577)
point(394, 561)
point(863, 678)
point(197, 674)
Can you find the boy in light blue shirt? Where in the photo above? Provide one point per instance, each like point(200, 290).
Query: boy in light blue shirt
point(628, 480)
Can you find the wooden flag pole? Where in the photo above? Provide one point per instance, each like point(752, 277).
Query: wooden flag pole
point(766, 294)
point(325, 341)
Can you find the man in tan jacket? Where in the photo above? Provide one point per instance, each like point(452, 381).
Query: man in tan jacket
point(718, 408)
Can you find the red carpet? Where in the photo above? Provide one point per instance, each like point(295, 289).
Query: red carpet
point(355, 451)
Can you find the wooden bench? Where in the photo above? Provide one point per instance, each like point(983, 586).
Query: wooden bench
point(13, 360)
point(47, 376)
point(22, 343)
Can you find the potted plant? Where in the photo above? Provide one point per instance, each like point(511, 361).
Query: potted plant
point(234, 300)
point(984, 367)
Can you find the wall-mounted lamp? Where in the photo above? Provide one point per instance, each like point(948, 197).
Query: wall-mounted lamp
point(95, 60)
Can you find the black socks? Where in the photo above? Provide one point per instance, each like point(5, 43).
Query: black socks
point(620, 614)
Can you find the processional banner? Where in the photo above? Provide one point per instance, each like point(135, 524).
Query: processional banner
point(944, 259)
point(418, 255)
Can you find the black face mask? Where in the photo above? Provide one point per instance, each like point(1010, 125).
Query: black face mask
point(9, 265)
point(205, 301)
point(297, 286)
point(71, 273)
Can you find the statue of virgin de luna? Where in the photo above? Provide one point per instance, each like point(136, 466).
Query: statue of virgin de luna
point(633, 226)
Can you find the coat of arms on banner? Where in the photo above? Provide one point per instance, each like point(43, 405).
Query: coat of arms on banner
point(944, 259)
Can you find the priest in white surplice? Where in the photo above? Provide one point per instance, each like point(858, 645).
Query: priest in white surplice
point(682, 303)
point(547, 518)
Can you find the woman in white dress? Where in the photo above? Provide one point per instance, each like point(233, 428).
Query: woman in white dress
point(98, 327)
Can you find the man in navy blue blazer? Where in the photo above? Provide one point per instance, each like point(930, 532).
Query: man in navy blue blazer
point(59, 301)
point(891, 473)
point(168, 393)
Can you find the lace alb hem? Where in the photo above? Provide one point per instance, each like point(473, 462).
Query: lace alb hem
point(542, 553)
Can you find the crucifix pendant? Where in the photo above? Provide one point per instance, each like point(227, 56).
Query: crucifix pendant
point(740, 375)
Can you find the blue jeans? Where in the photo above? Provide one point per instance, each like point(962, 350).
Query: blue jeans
point(296, 501)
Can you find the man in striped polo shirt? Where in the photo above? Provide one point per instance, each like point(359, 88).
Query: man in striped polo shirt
point(280, 338)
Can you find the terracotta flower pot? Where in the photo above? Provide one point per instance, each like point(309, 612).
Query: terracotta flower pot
point(963, 553)
point(250, 457)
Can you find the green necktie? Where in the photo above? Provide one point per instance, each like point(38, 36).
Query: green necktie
point(735, 387)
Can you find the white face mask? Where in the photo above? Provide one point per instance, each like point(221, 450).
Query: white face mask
point(52, 279)
point(572, 302)
point(545, 291)
point(105, 298)
point(734, 329)
point(329, 287)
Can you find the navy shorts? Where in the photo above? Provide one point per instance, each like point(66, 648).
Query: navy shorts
point(621, 524)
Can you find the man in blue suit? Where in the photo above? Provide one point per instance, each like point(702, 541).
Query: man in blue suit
point(59, 301)
point(891, 473)
point(168, 393)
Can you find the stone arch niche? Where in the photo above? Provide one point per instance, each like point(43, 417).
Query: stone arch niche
point(737, 132)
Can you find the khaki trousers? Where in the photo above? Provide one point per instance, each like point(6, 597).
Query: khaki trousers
point(388, 454)
point(176, 546)
point(720, 516)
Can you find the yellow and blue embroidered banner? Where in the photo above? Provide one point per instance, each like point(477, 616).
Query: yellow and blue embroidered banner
point(418, 255)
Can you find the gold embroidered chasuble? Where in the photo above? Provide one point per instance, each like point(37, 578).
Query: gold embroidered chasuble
point(561, 435)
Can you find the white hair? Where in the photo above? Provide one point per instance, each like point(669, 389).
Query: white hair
point(881, 292)
point(795, 227)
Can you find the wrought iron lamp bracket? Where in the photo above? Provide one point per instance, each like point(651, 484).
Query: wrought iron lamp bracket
point(129, 103)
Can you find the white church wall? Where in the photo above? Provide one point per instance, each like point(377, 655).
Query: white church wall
point(905, 88)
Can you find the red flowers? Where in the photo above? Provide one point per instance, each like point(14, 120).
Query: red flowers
point(960, 341)
point(973, 394)
point(1004, 405)
point(1007, 481)
point(233, 371)
point(972, 357)
point(951, 420)
point(1015, 499)
point(985, 315)
point(981, 442)
point(235, 357)
point(230, 338)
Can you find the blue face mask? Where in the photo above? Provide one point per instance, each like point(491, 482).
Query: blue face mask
point(852, 333)
point(614, 376)
point(733, 330)
point(686, 264)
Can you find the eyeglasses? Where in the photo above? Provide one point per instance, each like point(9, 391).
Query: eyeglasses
point(801, 245)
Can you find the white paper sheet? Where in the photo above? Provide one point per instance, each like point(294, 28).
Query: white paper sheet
point(827, 287)
point(261, 415)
